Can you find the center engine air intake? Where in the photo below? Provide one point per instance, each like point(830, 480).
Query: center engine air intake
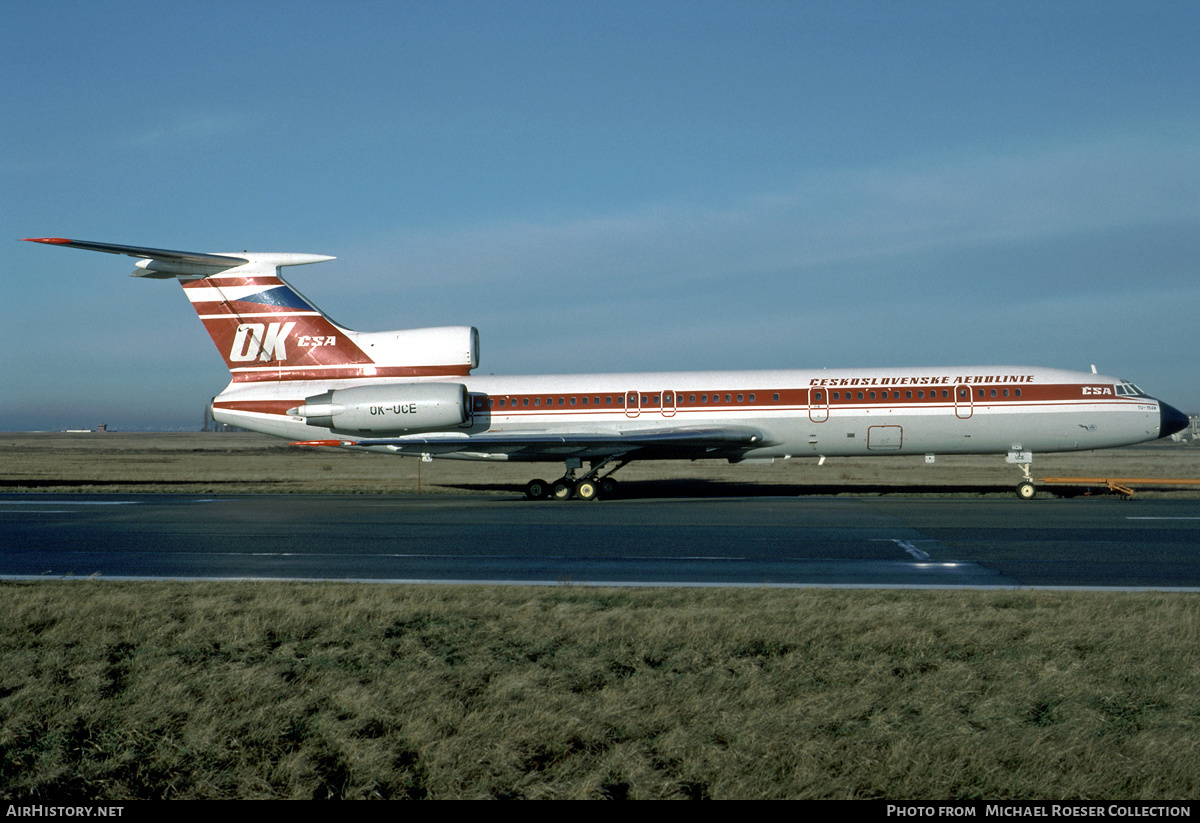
point(395, 407)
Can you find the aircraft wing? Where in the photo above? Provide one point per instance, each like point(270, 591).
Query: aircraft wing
point(704, 442)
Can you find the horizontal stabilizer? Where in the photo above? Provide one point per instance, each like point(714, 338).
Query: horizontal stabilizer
point(229, 261)
point(165, 263)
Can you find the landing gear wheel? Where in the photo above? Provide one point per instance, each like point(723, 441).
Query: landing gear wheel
point(537, 490)
point(608, 487)
point(1026, 490)
point(562, 489)
point(586, 490)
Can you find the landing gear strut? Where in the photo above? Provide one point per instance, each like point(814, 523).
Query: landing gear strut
point(587, 487)
point(1025, 489)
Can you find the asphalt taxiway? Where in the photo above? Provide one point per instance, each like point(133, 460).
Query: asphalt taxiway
point(821, 541)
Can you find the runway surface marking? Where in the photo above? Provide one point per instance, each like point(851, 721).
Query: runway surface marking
point(69, 502)
point(913, 550)
point(907, 545)
point(88, 503)
point(922, 559)
point(60, 503)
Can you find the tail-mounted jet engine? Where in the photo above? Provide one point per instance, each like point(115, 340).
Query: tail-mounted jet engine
point(394, 407)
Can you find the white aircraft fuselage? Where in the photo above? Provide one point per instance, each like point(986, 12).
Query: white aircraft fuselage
point(843, 412)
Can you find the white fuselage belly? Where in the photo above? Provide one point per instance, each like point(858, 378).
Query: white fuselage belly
point(971, 410)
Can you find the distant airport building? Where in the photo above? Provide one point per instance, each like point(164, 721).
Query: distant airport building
point(210, 425)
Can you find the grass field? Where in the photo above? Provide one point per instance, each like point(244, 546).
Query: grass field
point(282, 690)
point(254, 463)
point(112, 691)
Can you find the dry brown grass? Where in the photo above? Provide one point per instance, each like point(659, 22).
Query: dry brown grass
point(287, 690)
point(251, 463)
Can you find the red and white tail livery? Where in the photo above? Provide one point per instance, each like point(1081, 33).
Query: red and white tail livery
point(297, 374)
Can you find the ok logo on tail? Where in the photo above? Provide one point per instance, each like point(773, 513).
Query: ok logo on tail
point(256, 341)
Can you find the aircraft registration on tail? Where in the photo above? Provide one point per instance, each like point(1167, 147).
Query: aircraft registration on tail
point(296, 374)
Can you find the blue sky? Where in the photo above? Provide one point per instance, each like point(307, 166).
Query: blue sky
point(606, 186)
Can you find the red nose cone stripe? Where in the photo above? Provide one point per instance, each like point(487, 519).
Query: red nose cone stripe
point(57, 241)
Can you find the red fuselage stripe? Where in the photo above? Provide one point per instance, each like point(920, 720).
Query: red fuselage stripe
point(788, 400)
point(289, 374)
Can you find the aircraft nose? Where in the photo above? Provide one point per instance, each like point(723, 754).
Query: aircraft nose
point(1171, 420)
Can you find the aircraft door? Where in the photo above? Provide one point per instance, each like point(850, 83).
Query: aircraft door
point(668, 403)
point(964, 404)
point(885, 438)
point(633, 404)
point(818, 405)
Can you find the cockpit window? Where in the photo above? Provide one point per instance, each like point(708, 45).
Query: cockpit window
point(1127, 389)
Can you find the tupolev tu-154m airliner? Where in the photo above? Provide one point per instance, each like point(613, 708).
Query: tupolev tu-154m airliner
point(296, 374)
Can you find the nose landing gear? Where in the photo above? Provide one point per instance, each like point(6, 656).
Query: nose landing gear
point(1025, 489)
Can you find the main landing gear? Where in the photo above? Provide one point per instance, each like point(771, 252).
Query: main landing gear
point(588, 487)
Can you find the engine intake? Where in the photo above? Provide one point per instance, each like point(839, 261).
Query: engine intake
point(395, 407)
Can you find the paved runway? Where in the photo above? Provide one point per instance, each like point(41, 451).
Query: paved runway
point(848, 541)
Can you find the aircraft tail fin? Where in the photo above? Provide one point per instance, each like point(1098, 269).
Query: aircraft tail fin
point(267, 331)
